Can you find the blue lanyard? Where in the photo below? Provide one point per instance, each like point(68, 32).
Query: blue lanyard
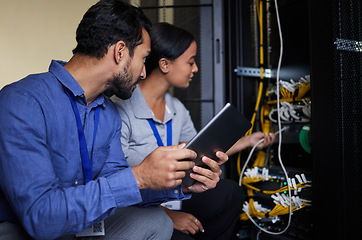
point(87, 164)
point(157, 135)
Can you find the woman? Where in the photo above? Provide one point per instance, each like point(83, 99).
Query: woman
point(152, 118)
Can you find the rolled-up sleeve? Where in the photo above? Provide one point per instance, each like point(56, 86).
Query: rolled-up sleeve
point(156, 197)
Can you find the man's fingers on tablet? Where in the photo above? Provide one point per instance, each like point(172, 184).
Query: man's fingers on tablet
point(180, 174)
point(184, 165)
point(180, 153)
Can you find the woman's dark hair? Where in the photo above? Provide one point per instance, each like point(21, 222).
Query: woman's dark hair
point(108, 22)
point(167, 41)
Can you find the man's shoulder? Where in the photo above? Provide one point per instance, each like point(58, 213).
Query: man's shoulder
point(112, 109)
point(29, 83)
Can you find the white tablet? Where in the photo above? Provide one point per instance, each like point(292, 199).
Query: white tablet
point(220, 134)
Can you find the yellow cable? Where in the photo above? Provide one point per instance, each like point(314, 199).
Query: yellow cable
point(256, 108)
point(276, 211)
point(262, 115)
point(260, 159)
point(283, 189)
point(261, 35)
point(252, 124)
point(303, 89)
point(261, 60)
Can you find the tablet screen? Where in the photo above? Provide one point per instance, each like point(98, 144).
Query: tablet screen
point(220, 134)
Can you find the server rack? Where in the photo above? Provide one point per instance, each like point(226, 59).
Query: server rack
point(336, 37)
point(246, 36)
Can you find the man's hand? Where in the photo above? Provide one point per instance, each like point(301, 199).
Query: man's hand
point(161, 169)
point(206, 178)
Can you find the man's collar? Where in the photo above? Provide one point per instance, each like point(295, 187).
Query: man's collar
point(68, 81)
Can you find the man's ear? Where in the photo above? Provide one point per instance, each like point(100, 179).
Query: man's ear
point(164, 65)
point(119, 51)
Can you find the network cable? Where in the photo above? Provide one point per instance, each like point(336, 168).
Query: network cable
point(280, 136)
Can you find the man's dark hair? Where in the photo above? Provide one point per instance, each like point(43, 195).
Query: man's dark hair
point(108, 22)
point(167, 41)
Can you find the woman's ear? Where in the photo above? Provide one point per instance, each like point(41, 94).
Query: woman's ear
point(164, 64)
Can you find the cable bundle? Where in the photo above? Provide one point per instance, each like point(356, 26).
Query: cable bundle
point(294, 106)
point(292, 113)
point(292, 91)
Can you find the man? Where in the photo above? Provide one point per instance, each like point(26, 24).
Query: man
point(62, 168)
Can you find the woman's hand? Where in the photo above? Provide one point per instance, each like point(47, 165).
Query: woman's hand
point(250, 141)
point(184, 222)
point(206, 178)
point(257, 136)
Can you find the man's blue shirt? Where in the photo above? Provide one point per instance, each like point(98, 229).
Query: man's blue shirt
point(41, 174)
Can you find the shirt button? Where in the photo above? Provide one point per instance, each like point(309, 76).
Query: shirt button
point(175, 192)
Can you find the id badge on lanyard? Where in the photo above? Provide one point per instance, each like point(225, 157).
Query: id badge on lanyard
point(173, 205)
point(98, 228)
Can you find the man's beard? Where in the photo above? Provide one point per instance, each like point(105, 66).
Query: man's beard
point(121, 84)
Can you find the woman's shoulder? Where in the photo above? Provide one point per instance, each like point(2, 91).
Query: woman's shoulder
point(121, 104)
